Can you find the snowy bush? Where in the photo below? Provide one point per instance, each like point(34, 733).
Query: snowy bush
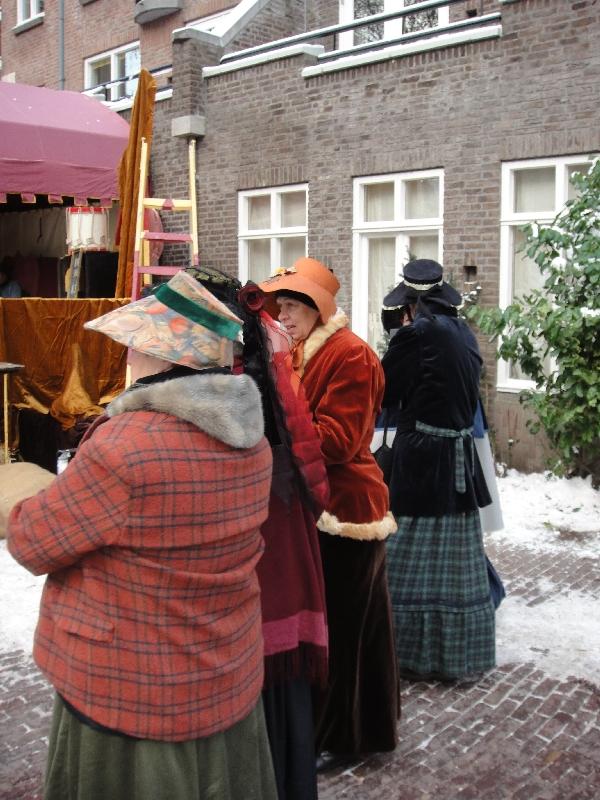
point(562, 321)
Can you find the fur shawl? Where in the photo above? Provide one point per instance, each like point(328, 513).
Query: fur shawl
point(226, 407)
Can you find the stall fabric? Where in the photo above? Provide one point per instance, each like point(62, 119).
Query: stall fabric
point(59, 144)
point(70, 373)
point(142, 116)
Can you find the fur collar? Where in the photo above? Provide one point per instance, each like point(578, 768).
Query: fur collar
point(227, 407)
point(321, 334)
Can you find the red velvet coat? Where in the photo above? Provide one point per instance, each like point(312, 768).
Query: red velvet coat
point(150, 619)
point(343, 381)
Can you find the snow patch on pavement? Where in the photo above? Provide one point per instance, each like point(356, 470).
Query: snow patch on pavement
point(561, 635)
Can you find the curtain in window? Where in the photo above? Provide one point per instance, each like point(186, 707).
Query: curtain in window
point(382, 279)
point(259, 212)
point(293, 209)
point(379, 202)
point(132, 65)
point(259, 259)
point(292, 249)
point(534, 189)
point(421, 198)
point(526, 276)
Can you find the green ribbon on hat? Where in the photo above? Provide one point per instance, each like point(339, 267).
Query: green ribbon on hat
point(187, 308)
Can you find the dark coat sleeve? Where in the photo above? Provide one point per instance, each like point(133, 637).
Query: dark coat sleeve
point(400, 364)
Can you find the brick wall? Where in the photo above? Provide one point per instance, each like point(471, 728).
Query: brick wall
point(89, 29)
point(467, 108)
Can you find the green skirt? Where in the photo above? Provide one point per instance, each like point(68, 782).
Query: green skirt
point(86, 764)
point(444, 618)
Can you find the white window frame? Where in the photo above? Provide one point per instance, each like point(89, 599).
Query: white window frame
point(29, 9)
point(275, 232)
point(392, 29)
point(510, 221)
point(111, 94)
point(362, 231)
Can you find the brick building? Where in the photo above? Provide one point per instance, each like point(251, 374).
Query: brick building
point(432, 135)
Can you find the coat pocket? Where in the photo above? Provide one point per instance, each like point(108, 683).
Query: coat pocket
point(96, 629)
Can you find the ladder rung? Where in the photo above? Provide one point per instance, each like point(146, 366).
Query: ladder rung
point(162, 236)
point(162, 270)
point(167, 203)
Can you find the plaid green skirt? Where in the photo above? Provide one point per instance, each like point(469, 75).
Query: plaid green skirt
point(443, 616)
point(86, 764)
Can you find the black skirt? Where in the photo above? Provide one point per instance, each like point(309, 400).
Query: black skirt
point(358, 711)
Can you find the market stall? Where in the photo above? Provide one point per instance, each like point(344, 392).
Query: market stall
point(59, 154)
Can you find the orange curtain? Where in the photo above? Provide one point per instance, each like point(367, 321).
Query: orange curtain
point(142, 117)
point(69, 372)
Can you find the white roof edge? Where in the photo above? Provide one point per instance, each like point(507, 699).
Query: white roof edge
point(226, 30)
point(262, 58)
point(397, 51)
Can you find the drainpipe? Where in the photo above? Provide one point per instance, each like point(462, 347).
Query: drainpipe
point(61, 44)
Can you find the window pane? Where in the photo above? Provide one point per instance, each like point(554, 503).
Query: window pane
point(526, 277)
point(259, 259)
point(100, 72)
point(292, 249)
point(128, 63)
point(293, 209)
point(423, 247)
point(534, 189)
point(422, 198)
point(420, 20)
point(259, 212)
point(382, 279)
point(572, 191)
point(379, 202)
point(369, 33)
point(133, 63)
point(526, 273)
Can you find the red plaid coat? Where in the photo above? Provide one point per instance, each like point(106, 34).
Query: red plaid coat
point(150, 619)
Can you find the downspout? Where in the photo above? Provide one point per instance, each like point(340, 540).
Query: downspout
point(61, 44)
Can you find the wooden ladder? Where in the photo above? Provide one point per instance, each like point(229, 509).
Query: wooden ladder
point(141, 256)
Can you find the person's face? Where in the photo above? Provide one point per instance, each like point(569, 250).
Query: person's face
point(297, 318)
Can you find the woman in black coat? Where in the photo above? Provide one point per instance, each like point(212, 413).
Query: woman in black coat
point(443, 614)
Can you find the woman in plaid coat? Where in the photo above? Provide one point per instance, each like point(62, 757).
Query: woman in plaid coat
point(150, 621)
point(443, 614)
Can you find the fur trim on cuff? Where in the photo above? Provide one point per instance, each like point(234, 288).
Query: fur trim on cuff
point(363, 531)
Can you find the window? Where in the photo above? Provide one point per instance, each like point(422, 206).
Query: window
point(532, 191)
point(28, 9)
point(113, 75)
point(272, 230)
point(357, 9)
point(396, 218)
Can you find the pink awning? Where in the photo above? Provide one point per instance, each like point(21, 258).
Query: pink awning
point(57, 143)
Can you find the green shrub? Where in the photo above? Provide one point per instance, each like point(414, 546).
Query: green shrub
point(561, 321)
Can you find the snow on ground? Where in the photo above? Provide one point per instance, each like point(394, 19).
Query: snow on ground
point(561, 635)
point(542, 512)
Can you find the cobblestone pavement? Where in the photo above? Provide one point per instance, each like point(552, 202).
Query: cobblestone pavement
point(516, 734)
